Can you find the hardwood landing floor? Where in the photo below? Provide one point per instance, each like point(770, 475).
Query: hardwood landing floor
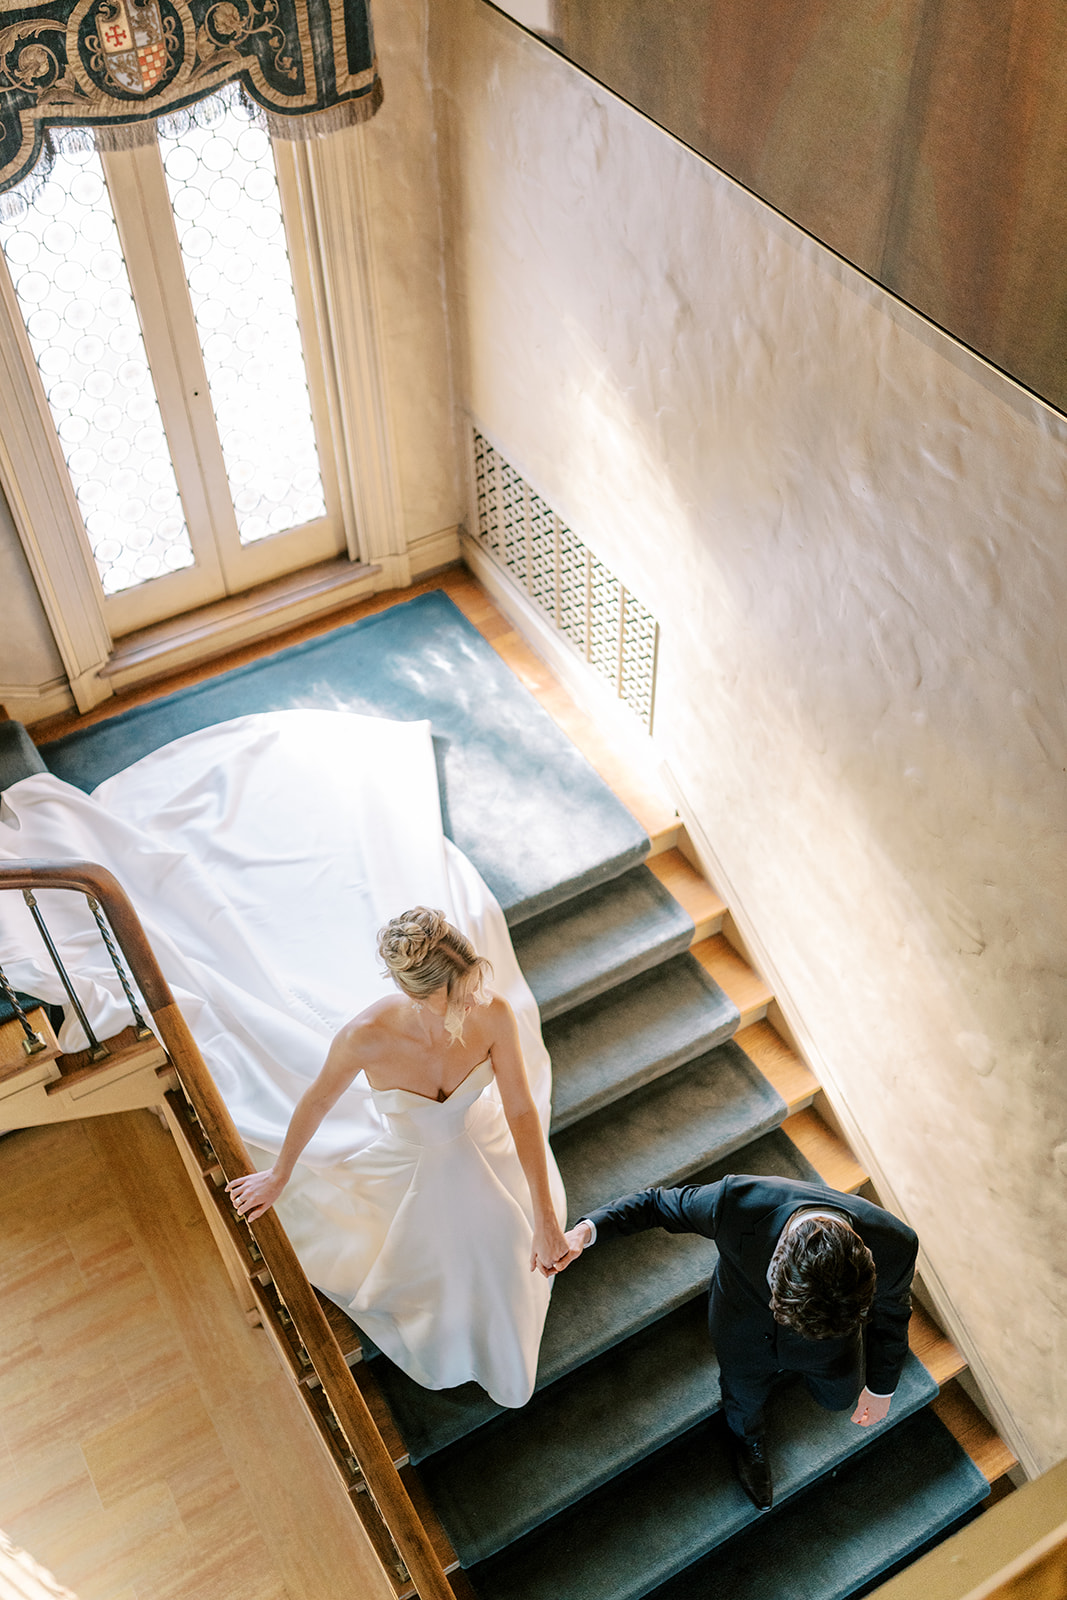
point(150, 1446)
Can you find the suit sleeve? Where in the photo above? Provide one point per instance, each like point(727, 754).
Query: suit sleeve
point(694, 1208)
point(887, 1328)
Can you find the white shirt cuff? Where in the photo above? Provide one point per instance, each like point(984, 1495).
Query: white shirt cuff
point(591, 1225)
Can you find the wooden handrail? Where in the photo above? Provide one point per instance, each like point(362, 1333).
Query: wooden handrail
point(373, 1458)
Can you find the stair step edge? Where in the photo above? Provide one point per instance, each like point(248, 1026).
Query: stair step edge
point(829, 1155)
point(750, 993)
point(830, 1442)
point(779, 1064)
point(584, 1090)
point(553, 1005)
point(827, 1532)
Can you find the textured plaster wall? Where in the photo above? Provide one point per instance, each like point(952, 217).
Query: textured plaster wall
point(853, 536)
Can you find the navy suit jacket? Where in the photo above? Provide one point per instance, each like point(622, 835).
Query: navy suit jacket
point(744, 1216)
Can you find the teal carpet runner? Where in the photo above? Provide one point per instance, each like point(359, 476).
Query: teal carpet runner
point(516, 795)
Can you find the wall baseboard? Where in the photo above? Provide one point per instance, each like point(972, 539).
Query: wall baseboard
point(25, 702)
point(433, 551)
point(944, 1306)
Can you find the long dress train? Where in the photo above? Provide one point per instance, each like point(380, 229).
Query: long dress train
point(262, 855)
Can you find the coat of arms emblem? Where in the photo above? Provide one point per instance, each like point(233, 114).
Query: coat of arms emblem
point(134, 44)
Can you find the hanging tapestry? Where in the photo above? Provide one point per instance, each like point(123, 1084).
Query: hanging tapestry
point(119, 62)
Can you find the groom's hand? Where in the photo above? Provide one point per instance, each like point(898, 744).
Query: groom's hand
point(576, 1239)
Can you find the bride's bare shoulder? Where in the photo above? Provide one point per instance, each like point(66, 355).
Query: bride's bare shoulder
point(373, 1021)
point(494, 1014)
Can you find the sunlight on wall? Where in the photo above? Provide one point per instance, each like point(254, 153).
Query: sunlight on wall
point(851, 533)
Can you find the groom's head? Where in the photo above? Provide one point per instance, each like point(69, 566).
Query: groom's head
point(822, 1278)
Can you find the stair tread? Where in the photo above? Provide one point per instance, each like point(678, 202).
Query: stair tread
point(934, 1349)
point(668, 1129)
point(622, 1286)
point(638, 1031)
point(749, 992)
point(878, 1511)
point(780, 1065)
point(692, 891)
point(639, 1530)
point(125, 1053)
point(607, 934)
point(975, 1433)
point(829, 1155)
point(500, 1482)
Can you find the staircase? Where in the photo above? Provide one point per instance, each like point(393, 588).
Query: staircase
point(615, 1482)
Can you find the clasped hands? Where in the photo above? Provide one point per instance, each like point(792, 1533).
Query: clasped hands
point(553, 1250)
point(574, 1241)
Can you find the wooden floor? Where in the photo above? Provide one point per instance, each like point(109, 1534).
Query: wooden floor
point(149, 1446)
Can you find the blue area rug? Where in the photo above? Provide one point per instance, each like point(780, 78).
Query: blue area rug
point(516, 795)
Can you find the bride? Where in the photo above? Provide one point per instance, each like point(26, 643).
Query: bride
point(449, 1208)
point(263, 857)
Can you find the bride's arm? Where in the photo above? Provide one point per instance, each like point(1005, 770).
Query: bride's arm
point(549, 1245)
point(259, 1190)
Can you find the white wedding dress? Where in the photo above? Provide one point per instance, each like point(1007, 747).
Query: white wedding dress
point(263, 855)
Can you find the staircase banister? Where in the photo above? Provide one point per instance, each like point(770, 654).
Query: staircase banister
point(87, 877)
point(375, 1462)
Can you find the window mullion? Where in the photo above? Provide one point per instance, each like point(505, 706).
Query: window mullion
point(309, 287)
point(149, 243)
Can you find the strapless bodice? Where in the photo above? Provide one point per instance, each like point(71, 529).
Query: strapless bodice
point(417, 1119)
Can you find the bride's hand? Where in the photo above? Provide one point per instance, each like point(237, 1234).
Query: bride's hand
point(255, 1194)
point(549, 1247)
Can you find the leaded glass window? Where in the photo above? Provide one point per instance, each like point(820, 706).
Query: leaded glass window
point(74, 292)
point(175, 375)
point(227, 210)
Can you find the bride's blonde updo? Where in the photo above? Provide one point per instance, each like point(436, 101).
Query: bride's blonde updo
point(423, 952)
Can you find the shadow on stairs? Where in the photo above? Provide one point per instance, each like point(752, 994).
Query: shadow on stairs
point(615, 1482)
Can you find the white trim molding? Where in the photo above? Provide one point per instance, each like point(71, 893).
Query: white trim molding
point(333, 179)
point(29, 703)
point(38, 490)
point(434, 551)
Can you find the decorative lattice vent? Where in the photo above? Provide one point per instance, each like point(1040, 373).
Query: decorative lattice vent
point(584, 600)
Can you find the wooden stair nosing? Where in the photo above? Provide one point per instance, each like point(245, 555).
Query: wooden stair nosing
point(749, 992)
point(831, 1158)
point(934, 1349)
point(973, 1432)
point(692, 892)
point(779, 1064)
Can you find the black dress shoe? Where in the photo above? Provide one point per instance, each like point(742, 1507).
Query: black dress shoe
point(750, 1462)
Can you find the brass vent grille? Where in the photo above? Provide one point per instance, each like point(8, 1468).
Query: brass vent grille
point(581, 597)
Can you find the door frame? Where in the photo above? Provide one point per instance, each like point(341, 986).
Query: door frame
point(324, 198)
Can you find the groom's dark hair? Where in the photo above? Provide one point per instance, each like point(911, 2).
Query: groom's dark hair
point(822, 1280)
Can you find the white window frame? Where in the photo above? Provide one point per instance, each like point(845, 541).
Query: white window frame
point(324, 188)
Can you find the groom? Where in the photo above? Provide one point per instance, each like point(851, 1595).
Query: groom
point(807, 1280)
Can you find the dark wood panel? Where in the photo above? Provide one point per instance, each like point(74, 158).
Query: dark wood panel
point(923, 140)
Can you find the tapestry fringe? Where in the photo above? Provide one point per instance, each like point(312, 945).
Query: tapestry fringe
point(318, 124)
point(124, 135)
